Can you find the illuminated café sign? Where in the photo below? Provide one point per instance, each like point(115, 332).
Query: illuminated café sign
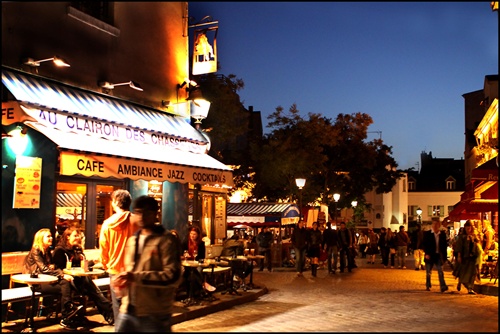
point(93, 165)
point(11, 113)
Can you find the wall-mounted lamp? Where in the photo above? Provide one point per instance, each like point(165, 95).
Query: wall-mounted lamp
point(17, 140)
point(187, 82)
point(131, 84)
point(56, 60)
point(199, 106)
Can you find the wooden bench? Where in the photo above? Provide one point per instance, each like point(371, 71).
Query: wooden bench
point(12, 263)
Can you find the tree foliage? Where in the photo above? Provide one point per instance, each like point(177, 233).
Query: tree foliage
point(333, 155)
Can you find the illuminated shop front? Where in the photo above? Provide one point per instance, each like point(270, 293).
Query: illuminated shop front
point(82, 145)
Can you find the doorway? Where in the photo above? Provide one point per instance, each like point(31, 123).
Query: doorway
point(85, 203)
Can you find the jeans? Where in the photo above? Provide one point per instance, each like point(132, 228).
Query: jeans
point(401, 252)
point(300, 259)
point(132, 323)
point(418, 255)
point(267, 258)
point(346, 252)
point(116, 302)
point(438, 262)
point(332, 252)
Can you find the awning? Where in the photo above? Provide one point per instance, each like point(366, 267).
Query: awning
point(486, 172)
point(262, 214)
point(471, 208)
point(107, 158)
point(73, 109)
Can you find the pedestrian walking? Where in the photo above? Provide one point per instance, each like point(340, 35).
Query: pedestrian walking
point(467, 253)
point(417, 237)
point(383, 245)
point(372, 246)
point(115, 231)
point(299, 242)
point(402, 242)
point(362, 243)
point(345, 246)
point(435, 247)
point(330, 244)
point(264, 242)
point(152, 262)
point(315, 239)
point(391, 243)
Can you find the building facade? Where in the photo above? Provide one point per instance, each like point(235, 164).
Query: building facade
point(118, 117)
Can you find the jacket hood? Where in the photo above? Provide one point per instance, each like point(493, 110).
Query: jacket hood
point(118, 221)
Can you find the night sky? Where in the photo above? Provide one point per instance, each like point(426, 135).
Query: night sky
point(407, 64)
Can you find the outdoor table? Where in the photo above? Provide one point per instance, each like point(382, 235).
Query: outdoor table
point(31, 282)
point(254, 257)
point(192, 266)
point(232, 263)
point(78, 271)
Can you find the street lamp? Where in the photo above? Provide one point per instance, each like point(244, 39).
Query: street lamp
point(336, 198)
point(300, 182)
point(419, 213)
point(354, 205)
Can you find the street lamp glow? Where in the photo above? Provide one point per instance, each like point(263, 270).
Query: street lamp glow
point(300, 182)
point(336, 197)
point(354, 203)
point(419, 213)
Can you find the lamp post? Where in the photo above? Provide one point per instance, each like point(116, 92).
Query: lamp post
point(336, 198)
point(300, 182)
point(354, 205)
point(419, 213)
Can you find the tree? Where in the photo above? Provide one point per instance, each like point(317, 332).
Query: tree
point(332, 156)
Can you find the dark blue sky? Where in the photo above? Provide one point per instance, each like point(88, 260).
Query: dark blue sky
point(407, 64)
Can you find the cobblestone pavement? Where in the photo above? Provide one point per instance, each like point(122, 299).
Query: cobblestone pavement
point(370, 299)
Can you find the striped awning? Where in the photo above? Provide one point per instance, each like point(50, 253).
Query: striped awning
point(262, 214)
point(37, 92)
point(70, 200)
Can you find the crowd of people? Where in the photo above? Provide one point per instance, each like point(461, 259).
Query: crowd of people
point(466, 252)
point(143, 259)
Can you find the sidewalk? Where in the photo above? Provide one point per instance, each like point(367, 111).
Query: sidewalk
point(227, 301)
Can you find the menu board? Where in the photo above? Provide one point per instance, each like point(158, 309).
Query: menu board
point(220, 217)
point(27, 182)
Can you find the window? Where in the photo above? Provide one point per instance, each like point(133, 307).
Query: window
point(98, 9)
point(450, 208)
point(436, 210)
point(451, 183)
point(412, 185)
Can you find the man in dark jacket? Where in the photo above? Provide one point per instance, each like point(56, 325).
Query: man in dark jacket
point(435, 248)
point(330, 244)
point(264, 241)
point(345, 245)
point(299, 242)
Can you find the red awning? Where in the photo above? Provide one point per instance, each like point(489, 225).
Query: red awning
point(471, 208)
point(486, 172)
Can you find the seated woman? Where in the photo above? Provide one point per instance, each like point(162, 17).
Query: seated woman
point(39, 261)
point(194, 249)
point(69, 248)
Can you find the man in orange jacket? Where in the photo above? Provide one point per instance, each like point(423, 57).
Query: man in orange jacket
point(115, 232)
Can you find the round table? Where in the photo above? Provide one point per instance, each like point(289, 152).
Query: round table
point(78, 271)
point(251, 258)
point(27, 279)
point(192, 266)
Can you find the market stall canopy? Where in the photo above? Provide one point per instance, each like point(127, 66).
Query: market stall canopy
point(262, 214)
